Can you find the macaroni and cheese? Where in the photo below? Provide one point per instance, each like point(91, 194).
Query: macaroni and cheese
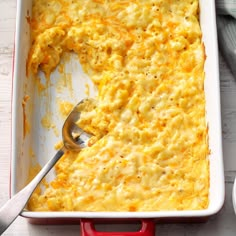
point(146, 58)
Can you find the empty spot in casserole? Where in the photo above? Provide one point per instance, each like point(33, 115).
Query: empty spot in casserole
point(47, 123)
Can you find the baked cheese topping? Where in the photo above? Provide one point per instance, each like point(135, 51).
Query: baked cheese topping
point(146, 58)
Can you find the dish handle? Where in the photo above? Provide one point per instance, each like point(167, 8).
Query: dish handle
point(88, 229)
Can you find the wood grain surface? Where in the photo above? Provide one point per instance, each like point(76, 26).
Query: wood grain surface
point(223, 223)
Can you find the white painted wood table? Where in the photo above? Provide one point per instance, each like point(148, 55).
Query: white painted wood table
point(223, 223)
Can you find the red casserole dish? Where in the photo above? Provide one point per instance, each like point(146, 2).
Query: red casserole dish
point(43, 141)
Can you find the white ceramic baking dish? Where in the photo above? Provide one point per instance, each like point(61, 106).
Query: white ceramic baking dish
point(38, 144)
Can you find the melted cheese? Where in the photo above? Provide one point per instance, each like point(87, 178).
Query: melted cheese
point(146, 58)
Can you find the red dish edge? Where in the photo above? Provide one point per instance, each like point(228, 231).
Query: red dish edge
point(88, 229)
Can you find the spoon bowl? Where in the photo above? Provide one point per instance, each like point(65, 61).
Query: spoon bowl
point(75, 138)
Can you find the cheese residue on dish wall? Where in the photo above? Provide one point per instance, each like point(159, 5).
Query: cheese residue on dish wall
point(26, 125)
point(146, 58)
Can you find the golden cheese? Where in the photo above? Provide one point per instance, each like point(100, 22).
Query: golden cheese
point(146, 58)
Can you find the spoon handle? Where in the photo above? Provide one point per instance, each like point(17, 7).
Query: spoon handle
point(14, 206)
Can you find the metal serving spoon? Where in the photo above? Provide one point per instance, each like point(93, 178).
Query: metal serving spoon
point(74, 138)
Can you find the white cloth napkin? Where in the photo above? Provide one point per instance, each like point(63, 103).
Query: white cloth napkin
point(226, 26)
